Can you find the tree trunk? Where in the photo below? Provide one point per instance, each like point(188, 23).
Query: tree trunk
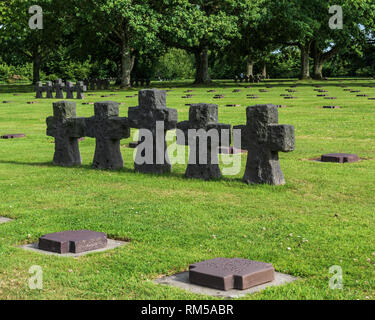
point(202, 75)
point(127, 64)
point(118, 74)
point(264, 71)
point(320, 58)
point(305, 61)
point(318, 67)
point(250, 67)
point(36, 67)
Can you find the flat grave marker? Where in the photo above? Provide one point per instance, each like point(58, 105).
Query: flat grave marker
point(226, 274)
point(13, 136)
point(4, 220)
point(340, 158)
point(181, 280)
point(73, 241)
point(331, 107)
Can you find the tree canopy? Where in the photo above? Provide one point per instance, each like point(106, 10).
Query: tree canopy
point(127, 38)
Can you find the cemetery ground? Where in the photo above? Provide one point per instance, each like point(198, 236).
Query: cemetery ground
point(323, 216)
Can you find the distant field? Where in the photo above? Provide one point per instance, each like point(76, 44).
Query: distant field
point(323, 216)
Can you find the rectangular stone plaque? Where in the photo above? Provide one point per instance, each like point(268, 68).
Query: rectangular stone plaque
point(226, 274)
point(73, 241)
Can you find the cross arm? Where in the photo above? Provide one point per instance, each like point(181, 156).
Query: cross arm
point(141, 118)
point(184, 127)
point(224, 134)
point(281, 137)
point(72, 127)
point(51, 126)
point(117, 128)
point(245, 136)
point(76, 127)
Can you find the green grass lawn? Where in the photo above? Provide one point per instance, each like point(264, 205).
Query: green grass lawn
point(323, 216)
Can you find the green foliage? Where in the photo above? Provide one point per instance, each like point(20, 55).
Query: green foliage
point(5, 72)
point(9, 73)
point(175, 64)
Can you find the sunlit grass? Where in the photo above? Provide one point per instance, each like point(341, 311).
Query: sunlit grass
point(323, 216)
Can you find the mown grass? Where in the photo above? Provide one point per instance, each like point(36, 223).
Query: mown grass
point(323, 216)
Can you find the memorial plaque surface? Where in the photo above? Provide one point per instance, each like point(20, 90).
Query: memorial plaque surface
point(13, 136)
point(4, 220)
point(340, 158)
point(73, 241)
point(226, 274)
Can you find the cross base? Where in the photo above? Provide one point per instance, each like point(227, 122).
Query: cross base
point(263, 167)
point(203, 171)
point(108, 155)
point(67, 152)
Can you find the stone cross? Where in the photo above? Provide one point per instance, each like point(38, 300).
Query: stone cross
point(80, 88)
point(92, 84)
point(204, 144)
point(99, 84)
point(152, 116)
point(66, 128)
point(264, 138)
point(39, 88)
point(108, 129)
point(49, 89)
point(69, 89)
point(59, 86)
point(106, 84)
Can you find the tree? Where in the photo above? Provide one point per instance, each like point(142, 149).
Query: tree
point(329, 42)
point(305, 24)
point(33, 44)
point(129, 26)
point(199, 26)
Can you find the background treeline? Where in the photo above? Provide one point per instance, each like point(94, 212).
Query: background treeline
point(185, 39)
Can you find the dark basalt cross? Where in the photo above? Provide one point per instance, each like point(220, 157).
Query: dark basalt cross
point(59, 89)
point(99, 84)
point(108, 129)
point(39, 88)
point(203, 158)
point(106, 84)
point(66, 128)
point(49, 89)
point(152, 116)
point(69, 89)
point(92, 84)
point(264, 138)
point(80, 88)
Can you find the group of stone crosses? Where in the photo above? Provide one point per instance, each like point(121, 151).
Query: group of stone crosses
point(97, 84)
point(59, 87)
point(262, 136)
point(249, 79)
point(135, 82)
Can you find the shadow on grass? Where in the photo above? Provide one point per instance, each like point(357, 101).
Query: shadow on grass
point(179, 176)
point(334, 82)
point(20, 88)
